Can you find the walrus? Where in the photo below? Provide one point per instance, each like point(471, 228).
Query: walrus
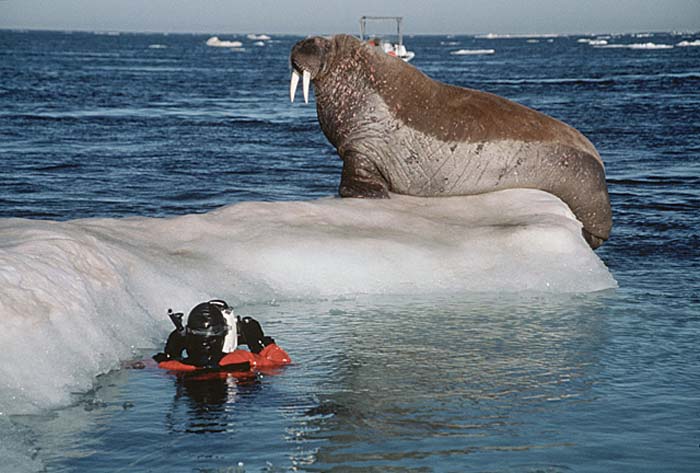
point(397, 130)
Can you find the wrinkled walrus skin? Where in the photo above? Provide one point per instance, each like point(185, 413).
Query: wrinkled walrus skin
point(397, 130)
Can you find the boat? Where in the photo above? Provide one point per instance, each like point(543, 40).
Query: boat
point(393, 48)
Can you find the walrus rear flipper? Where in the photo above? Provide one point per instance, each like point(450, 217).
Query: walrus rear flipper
point(591, 239)
point(577, 177)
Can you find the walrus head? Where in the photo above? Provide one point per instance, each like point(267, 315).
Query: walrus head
point(310, 59)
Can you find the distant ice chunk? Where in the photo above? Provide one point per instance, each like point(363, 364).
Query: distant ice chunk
point(472, 52)
point(649, 46)
point(216, 42)
point(600, 41)
point(517, 36)
point(636, 46)
point(259, 37)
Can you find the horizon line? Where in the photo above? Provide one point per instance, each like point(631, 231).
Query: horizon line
point(505, 35)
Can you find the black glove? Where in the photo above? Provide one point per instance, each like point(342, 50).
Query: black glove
point(250, 333)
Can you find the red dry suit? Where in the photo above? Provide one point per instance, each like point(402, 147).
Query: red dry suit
point(272, 356)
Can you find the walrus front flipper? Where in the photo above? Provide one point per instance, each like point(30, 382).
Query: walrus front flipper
point(362, 179)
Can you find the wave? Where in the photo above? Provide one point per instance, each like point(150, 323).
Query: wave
point(677, 182)
point(78, 297)
point(608, 80)
point(558, 81)
point(58, 167)
point(685, 44)
point(467, 52)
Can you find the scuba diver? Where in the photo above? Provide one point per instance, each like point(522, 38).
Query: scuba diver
point(211, 338)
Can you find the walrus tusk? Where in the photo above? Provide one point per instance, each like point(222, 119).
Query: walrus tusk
point(305, 86)
point(293, 85)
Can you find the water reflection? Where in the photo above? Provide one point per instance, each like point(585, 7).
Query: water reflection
point(207, 403)
point(420, 381)
point(377, 384)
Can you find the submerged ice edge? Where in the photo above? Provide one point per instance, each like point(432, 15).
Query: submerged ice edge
point(77, 297)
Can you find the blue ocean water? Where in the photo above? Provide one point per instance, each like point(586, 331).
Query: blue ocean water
point(149, 125)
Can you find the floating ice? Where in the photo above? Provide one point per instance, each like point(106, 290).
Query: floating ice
point(649, 46)
point(468, 52)
point(77, 297)
point(594, 41)
point(517, 36)
point(636, 46)
point(259, 37)
point(216, 42)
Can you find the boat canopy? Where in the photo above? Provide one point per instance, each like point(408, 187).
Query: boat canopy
point(397, 19)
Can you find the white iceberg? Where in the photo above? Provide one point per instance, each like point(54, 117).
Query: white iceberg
point(214, 41)
point(78, 297)
point(636, 46)
point(259, 37)
point(472, 52)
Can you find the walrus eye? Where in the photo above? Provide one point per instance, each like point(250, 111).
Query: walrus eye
point(294, 83)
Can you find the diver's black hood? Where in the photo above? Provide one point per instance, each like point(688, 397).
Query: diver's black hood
point(206, 329)
point(206, 320)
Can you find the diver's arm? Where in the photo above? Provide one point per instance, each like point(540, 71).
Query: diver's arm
point(266, 353)
point(175, 344)
point(173, 347)
point(250, 333)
